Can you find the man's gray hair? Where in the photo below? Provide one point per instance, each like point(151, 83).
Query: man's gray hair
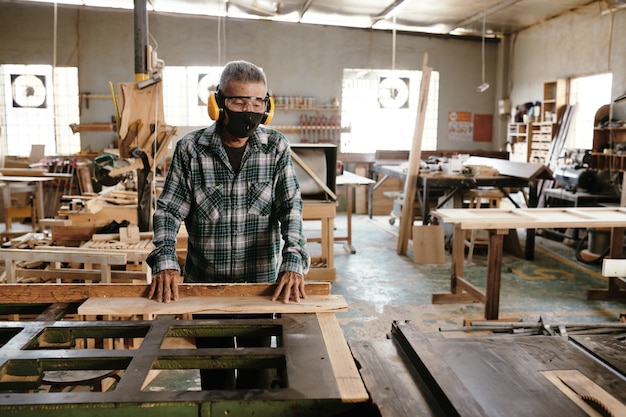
point(242, 71)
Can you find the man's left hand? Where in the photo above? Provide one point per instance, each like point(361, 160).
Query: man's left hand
point(290, 285)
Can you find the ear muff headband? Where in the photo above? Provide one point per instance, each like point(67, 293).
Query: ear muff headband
point(215, 107)
point(269, 111)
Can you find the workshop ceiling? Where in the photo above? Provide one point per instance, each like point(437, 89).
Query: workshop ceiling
point(442, 17)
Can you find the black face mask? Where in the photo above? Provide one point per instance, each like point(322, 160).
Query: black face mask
point(242, 124)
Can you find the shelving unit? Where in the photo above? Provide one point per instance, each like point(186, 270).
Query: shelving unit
point(321, 125)
point(530, 142)
point(541, 135)
point(605, 155)
point(517, 138)
point(554, 97)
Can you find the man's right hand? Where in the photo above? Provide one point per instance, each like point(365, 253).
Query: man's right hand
point(164, 287)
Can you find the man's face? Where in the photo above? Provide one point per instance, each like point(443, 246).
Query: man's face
point(244, 109)
point(245, 97)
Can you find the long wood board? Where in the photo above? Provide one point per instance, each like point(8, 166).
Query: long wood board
point(77, 293)
point(533, 218)
point(130, 306)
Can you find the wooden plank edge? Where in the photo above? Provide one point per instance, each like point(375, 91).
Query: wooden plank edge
point(451, 298)
point(351, 386)
point(137, 306)
point(465, 285)
point(605, 294)
point(78, 293)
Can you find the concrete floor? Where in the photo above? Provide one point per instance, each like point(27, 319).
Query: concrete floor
point(381, 286)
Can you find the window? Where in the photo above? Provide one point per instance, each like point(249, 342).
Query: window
point(588, 94)
point(186, 92)
point(380, 106)
point(37, 107)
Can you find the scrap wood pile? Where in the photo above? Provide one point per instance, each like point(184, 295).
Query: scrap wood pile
point(120, 255)
point(28, 241)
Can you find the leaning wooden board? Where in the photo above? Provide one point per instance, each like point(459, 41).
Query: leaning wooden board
point(130, 306)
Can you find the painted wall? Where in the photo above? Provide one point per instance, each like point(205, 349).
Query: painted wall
point(584, 42)
point(298, 59)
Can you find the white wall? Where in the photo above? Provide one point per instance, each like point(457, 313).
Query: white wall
point(298, 59)
point(576, 44)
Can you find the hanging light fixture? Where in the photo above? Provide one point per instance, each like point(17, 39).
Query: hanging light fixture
point(484, 86)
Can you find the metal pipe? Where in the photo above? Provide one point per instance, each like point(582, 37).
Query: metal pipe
point(140, 20)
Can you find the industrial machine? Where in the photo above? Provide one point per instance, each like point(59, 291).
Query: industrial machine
point(574, 174)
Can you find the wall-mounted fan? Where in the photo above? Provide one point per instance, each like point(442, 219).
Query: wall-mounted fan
point(29, 90)
point(393, 93)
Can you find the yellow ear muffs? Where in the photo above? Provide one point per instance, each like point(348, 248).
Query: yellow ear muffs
point(214, 109)
point(269, 112)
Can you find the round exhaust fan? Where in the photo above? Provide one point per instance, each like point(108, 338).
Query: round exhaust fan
point(29, 90)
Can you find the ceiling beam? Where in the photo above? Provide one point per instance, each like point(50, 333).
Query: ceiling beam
point(304, 8)
point(478, 16)
point(392, 8)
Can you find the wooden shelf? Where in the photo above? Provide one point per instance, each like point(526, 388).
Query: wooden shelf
point(310, 108)
point(530, 142)
point(554, 98)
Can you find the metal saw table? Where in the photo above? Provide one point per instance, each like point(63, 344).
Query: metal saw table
point(50, 333)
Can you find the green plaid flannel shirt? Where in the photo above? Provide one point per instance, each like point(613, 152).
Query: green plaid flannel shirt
point(234, 221)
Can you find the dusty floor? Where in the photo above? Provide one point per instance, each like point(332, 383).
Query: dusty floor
point(381, 286)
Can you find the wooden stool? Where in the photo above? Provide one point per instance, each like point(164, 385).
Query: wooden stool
point(14, 212)
point(478, 196)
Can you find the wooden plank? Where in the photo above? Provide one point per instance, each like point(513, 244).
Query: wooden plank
point(100, 237)
point(498, 376)
point(77, 293)
point(347, 375)
point(472, 290)
point(130, 306)
point(429, 244)
point(436, 372)
point(579, 388)
point(609, 349)
point(315, 210)
point(71, 274)
point(533, 218)
point(394, 385)
point(410, 184)
point(132, 254)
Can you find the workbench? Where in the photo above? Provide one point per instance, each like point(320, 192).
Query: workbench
point(498, 222)
point(454, 184)
point(317, 372)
